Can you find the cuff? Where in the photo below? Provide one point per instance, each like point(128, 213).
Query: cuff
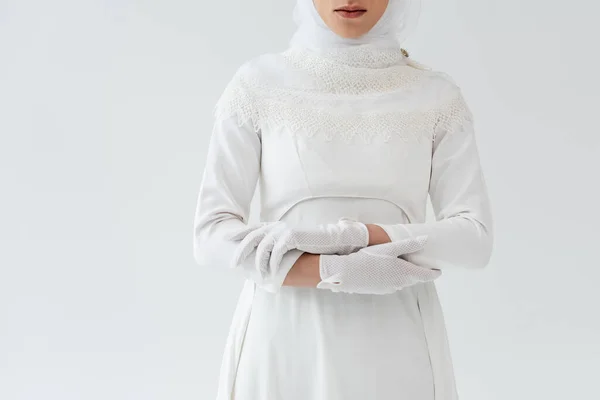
point(397, 232)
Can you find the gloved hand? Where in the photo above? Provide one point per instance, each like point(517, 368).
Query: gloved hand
point(250, 237)
point(343, 237)
point(375, 269)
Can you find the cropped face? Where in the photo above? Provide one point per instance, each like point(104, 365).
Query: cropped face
point(351, 18)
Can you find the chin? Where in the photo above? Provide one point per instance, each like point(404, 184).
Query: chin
point(349, 33)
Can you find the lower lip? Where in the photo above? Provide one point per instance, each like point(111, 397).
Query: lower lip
point(350, 14)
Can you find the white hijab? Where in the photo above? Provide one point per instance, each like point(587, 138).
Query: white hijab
point(396, 23)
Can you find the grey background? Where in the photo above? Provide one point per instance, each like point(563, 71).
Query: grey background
point(105, 115)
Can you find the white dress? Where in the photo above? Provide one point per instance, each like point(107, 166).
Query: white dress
point(377, 165)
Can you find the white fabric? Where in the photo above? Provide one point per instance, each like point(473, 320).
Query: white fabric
point(223, 206)
point(271, 242)
point(329, 130)
point(249, 239)
point(462, 237)
point(376, 269)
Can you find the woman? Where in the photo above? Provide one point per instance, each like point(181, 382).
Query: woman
point(347, 137)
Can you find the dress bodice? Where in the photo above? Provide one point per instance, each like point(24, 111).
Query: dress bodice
point(342, 130)
point(297, 167)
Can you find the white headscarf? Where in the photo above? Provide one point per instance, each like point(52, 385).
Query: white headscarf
point(396, 23)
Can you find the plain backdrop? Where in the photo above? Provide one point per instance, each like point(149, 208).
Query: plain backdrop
point(105, 117)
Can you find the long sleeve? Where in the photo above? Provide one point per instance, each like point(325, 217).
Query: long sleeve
point(228, 184)
point(462, 235)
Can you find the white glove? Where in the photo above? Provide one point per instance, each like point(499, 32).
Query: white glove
point(251, 236)
point(375, 269)
point(272, 242)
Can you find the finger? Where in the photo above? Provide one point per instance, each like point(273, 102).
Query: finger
point(282, 245)
point(412, 244)
point(386, 249)
point(416, 244)
point(418, 273)
point(400, 247)
point(263, 251)
point(248, 244)
point(265, 245)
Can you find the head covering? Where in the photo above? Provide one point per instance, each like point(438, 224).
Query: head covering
point(396, 23)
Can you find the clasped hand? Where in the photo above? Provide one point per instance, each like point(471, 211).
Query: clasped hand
point(347, 262)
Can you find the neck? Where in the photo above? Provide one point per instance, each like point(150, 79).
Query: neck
point(323, 40)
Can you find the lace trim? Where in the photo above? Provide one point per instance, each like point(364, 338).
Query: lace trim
point(317, 94)
point(453, 116)
point(301, 117)
point(348, 77)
